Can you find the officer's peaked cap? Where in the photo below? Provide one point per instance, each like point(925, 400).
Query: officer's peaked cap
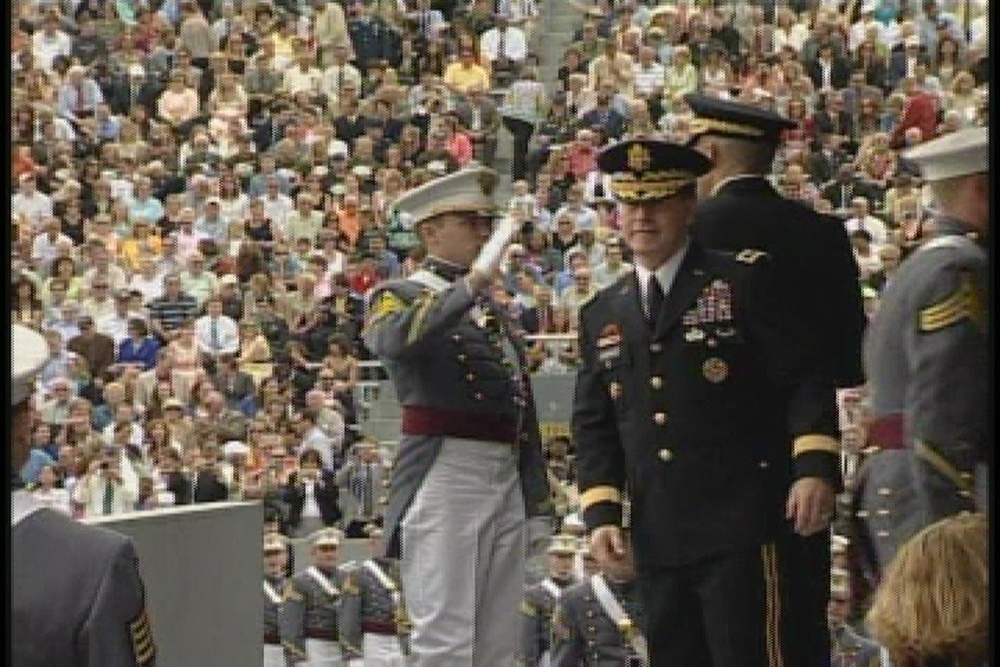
point(735, 120)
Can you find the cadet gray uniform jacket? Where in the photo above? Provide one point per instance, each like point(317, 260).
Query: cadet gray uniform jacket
point(76, 594)
point(272, 610)
point(927, 361)
point(851, 649)
point(367, 606)
point(440, 359)
point(309, 611)
point(536, 611)
point(583, 635)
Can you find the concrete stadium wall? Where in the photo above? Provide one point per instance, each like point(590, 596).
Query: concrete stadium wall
point(202, 567)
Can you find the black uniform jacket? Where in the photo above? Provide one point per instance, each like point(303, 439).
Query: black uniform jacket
point(813, 264)
point(708, 417)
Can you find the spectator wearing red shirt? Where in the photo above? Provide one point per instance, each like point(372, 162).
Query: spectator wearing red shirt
point(582, 154)
point(920, 110)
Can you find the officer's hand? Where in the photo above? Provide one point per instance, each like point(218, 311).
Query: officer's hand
point(607, 544)
point(488, 261)
point(811, 503)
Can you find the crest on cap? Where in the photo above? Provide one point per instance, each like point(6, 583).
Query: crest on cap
point(638, 157)
point(650, 169)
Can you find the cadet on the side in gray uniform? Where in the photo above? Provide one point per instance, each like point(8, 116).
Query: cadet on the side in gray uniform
point(275, 558)
point(373, 619)
point(76, 594)
point(310, 605)
point(598, 622)
point(540, 601)
point(927, 360)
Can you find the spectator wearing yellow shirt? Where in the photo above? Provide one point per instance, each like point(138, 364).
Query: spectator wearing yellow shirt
point(142, 244)
point(680, 79)
point(466, 73)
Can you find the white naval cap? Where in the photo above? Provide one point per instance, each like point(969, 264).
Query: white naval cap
point(563, 543)
point(469, 190)
point(275, 542)
point(326, 536)
point(955, 154)
point(28, 353)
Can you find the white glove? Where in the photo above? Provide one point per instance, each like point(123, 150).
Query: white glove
point(491, 253)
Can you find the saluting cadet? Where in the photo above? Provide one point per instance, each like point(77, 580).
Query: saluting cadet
point(310, 604)
point(811, 258)
point(275, 557)
point(76, 596)
point(470, 467)
point(540, 600)
point(599, 622)
point(373, 619)
point(927, 359)
point(699, 396)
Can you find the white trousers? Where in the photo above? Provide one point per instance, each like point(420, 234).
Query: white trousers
point(274, 655)
point(463, 547)
point(323, 653)
point(381, 651)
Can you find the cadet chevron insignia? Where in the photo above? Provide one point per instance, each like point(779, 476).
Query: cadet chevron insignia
point(963, 303)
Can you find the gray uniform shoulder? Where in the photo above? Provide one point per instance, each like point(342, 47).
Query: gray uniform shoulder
point(946, 279)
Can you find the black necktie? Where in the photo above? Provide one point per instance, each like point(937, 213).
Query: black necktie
point(654, 299)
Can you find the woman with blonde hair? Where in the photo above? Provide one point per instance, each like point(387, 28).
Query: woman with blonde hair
point(932, 607)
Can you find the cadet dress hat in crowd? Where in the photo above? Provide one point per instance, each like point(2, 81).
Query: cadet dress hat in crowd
point(325, 537)
point(563, 544)
point(469, 190)
point(644, 170)
point(955, 154)
point(28, 353)
point(734, 120)
point(274, 542)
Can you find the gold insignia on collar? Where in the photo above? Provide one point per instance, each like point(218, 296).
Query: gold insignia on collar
point(387, 303)
point(715, 370)
point(749, 255)
point(638, 158)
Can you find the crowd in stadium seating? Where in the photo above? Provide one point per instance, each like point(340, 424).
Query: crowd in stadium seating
point(201, 197)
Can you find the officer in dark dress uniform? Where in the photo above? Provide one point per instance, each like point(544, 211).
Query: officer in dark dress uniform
point(927, 359)
point(700, 396)
point(76, 595)
point(811, 258)
point(810, 252)
point(540, 601)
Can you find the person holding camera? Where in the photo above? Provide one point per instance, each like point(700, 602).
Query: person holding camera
point(102, 491)
point(312, 495)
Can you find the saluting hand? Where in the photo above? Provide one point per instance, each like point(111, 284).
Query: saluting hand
point(607, 544)
point(811, 502)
